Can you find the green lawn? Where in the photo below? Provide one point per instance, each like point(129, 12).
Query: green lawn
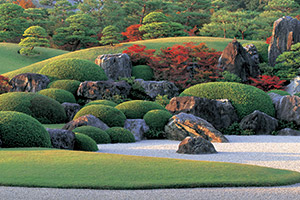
point(54, 126)
point(76, 169)
point(92, 53)
point(11, 60)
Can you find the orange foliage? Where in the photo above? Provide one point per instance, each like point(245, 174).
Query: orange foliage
point(24, 3)
point(133, 33)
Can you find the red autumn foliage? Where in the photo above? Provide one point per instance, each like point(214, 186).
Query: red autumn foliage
point(192, 32)
point(4, 84)
point(133, 33)
point(267, 83)
point(139, 55)
point(186, 64)
point(268, 40)
point(24, 3)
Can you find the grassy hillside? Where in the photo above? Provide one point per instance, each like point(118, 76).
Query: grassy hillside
point(92, 53)
point(11, 60)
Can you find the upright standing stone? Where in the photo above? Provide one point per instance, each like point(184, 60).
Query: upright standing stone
point(115, 66)
point(286, 32)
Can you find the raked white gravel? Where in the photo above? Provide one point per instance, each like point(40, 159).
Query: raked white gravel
point(271, 151)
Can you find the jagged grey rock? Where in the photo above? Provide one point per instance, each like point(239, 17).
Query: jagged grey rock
point(289, 109)
point(220, 113)
point(275, 99)
point(62, 139)
point(183, 125)
point(115, 66)
point(259, 122)
point(137, 127)
point(236, 60)
point(86, 120)
point(294, 86)
point(71, 109)
point(29, 82)
point(289, 131)
point(93, 90)
point(252, 51)
point(196, 145)
point(286, 31)
point(155, 88)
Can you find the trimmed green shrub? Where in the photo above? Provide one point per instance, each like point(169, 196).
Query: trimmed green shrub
point(280, 92)
point(97, 134)
point(109, 115)
point(157, 119)
point(74, 69)
point(155, 134)
point(42, 108)
point(120, 135)
point(262, 50)
point(142, 71)
point(68, 85)
point(59, 95)
point(244, 98)
point(102, 102)
point(162, 100)
point(21, 130)
point(84, 143)
point(136, 109)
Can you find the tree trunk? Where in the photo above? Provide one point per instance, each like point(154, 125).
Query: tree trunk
point(143, 13)
point(224, 31)
point(75, 46)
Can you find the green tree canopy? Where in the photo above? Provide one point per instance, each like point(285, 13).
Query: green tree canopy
point(110, 36)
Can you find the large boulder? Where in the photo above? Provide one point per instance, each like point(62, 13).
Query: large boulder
point(289, 109)
point(61, 139)
point(259, 122)
point(236, 60)
point(183, 125)
point(294, 86)
point(137, 127)
point(252, 51)
point(93, 90)
point(220, 113)
point(71, 109)
point(275, 99)
point(196, 145)
point(286, 31)
point(155, 88)
point(29, 82)
point(289, 131)
point(115, 66)
point(86, 120)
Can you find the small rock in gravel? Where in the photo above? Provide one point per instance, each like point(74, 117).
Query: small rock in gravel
point(196, 145)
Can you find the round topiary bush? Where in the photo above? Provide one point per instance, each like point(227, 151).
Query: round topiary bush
point(245, 98)
point(68, 85)
point(280, 92)
point(42, 108)
point(157, 119)
point(21, 130)
point(84, 143)
point(109, 115)
point(142, 71)
point(102, 102)
point(120, 135)
point(74, 69)
point(136, 109)
point(97, 134)
point(59, 95)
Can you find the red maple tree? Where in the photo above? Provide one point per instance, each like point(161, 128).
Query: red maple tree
point(24, 3)
point(4, 84)
point(266, 83)
point(133, 33)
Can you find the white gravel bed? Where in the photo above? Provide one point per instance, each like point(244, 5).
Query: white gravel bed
point(281, 152)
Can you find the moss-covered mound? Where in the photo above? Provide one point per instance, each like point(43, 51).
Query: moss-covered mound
point(109, 115)
point(21, 130)
point(84, 143)
point(102, 102)
point(59, 95)
point(136, 109)
point(157, 119)
point(142, 71)
point(245, 98)
point(120, 135)
point(68, 85)
point(42, 108)
point(97, 134)
point(280, 92)
point(74, 69)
